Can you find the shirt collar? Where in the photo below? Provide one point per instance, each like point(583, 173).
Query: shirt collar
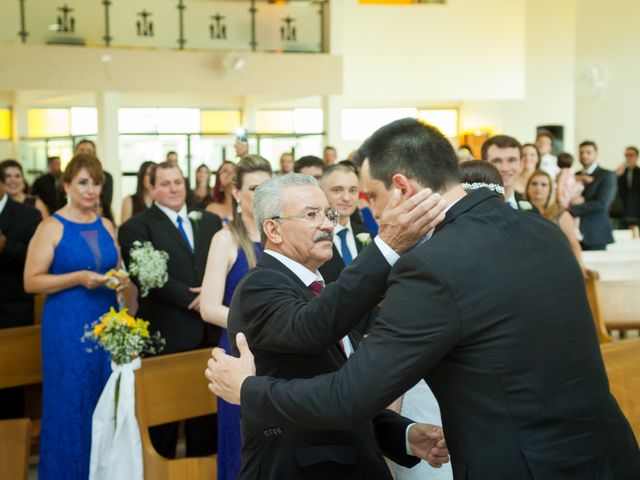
point(173, 215)
point(305, 275)
point(339, 228)
point(3, 202)
point(591, 169)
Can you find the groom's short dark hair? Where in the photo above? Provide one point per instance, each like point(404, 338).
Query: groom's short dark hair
point(413, 148)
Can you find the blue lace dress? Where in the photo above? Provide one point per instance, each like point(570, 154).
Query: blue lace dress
point(72, 378)
point(229, 439)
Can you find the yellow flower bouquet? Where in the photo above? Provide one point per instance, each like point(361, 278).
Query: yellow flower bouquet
point(123, 336)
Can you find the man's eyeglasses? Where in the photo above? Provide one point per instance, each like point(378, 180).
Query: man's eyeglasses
point(314, 216)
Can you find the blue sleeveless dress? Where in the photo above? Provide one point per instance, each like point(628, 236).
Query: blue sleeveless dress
point(72, 378)
point(229, 439)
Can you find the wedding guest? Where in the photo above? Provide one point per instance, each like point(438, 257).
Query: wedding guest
point(476, 174)
point(505, 153)
point(67, 259)
point(174, 309)
point(18, 222)
point(593, 206)
point(629, 187)
point(47, 187)
point(172, 158)
point(568, 187)
point(233, 251)
point(548, 161)
point(309, 165)
point(16, 187)
point(530, 162)
point(88, 147)
point(141, 200)
point(202, 194)
point(286, 163)
point(329, 156)
point(540, 194)
point(222, 204)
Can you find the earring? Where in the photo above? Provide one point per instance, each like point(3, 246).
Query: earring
point(68, 199)
point(239, 209)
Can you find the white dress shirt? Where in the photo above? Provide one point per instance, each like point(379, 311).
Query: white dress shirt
point(591, 169)
point(3, 202)
point(351, 239)
point(512, 201)
point(186, 223)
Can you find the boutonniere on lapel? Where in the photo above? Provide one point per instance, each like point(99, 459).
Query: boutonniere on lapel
point(195, 216)
point(364, 238)
point(524, 205)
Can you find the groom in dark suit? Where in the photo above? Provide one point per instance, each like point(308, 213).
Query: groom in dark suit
point(289, 317)
point(174, 309)
point(519, 377)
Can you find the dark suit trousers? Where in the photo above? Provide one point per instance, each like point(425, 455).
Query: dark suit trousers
point(586, 247)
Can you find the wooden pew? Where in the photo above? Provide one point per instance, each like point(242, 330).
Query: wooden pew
point(621, 359)
point(171, 388)
point(15, 442)
point(619, 304)
point(20, 365)
point(593, 295)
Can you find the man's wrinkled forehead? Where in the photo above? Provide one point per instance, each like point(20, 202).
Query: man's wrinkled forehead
point(297, 198)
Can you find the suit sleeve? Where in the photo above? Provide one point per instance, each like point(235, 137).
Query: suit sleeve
point(15, 250)
point(605, 195)
point(274, 318)
point(418, 325)
point(391, 429)
point(174, 292)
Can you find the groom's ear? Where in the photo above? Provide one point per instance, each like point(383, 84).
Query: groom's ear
point(402, 183)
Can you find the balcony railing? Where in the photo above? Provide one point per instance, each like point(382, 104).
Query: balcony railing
point(253, 25)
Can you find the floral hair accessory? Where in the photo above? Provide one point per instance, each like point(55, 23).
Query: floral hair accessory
point(476, 185)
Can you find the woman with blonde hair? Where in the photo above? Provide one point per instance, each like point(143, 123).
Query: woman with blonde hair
point(540, 194)
point(233, 251)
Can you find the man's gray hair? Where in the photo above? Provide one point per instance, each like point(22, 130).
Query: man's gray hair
point(268, 197)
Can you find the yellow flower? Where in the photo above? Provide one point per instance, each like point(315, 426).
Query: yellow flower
point(98, 329)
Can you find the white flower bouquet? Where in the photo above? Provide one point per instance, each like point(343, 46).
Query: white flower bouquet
point(148, 266)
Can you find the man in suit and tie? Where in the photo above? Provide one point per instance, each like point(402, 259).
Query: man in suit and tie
point(289, 317)
point(593, 206)
point(519, 378)
point(629, 187)
point(18, 222)
point(505, 153)
point(48, 188)
point(341, 186)
point(174, 309)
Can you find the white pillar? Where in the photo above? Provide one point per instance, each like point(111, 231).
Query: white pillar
point(107, 104)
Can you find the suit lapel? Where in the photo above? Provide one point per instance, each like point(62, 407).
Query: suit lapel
point(6, 217)
point(466, 203)
point(168, 225)
point(267, 261)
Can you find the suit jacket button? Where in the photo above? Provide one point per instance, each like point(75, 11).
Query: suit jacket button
point(266, 433)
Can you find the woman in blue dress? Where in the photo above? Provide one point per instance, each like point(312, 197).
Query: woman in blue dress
point(67, 259)
point(233, 251)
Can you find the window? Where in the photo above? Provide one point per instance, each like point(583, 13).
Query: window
point(298, 120)
point(359, 123)
point(219, 121)
point(48, 122)
point(446, 120)
point(5, 124)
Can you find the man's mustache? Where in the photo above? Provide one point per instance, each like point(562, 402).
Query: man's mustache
point(320, 236)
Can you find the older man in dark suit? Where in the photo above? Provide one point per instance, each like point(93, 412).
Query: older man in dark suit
point(174, 309)
point(519, 377)
point(289, 317)
point(593, 206)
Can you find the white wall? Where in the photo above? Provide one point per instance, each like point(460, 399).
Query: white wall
point(609, 42)
point(549, 97)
